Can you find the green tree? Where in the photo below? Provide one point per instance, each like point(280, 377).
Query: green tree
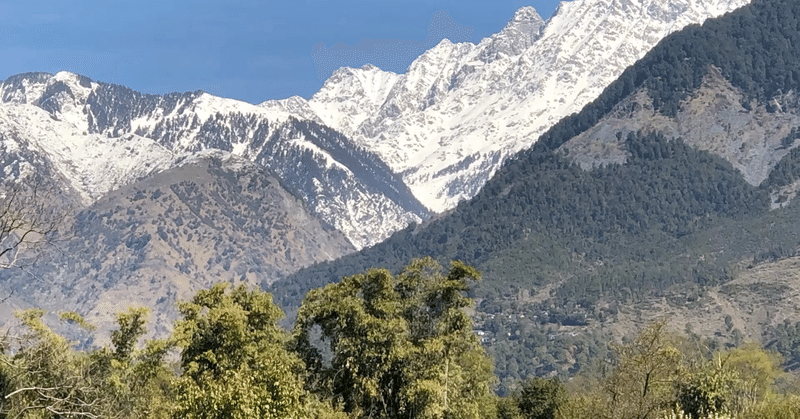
point(541, 398)
point(131, 328)
point(234, 360)
point(738, 382)
point(508, 408)
point(642, 383)
point(755, 370)
point(136, 383)
point(403, 347)
point(705, 391)
point(45, 377)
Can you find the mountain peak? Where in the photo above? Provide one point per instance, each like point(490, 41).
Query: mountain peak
point(526, 23)
point(459, 110)
point(525, 14)
point(69, 76)
point(517, 36)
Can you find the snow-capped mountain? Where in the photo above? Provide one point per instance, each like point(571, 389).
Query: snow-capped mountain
point(100, 137)
point(371, 151)
point(460, 110)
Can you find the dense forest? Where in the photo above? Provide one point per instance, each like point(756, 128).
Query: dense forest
point(648, 221)
point(666, 189)
point(754, 47)
point(374, 345)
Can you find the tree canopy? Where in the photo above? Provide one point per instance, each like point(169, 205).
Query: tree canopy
point(234, 360)
point(402, 346)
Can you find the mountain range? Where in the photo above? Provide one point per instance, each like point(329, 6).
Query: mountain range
point(461, 110)
point(467, 155)
point(101, 137)
point(669, 196)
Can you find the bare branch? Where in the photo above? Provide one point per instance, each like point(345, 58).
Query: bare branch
point(31, 389)
point(60, 413)
point(29, 218)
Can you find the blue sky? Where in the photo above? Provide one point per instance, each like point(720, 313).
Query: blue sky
point(251, 50)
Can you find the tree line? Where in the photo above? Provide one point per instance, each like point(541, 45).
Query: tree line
point(374, 345)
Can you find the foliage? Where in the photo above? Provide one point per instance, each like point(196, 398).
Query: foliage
point(402, 346)
point(785, 172)
point(615, 234)
point(666, 191)
point(233, 364)
point(234, 360)
point(541, 398)
point(785, 339)
point(137, 382)
point(660, 374)
point(44, 377)
point(739, 382)
point(618, 233)
point(755, 372)
point(131, 328)
point(703, 393)
point(753, 48)
point(642, 380)
point(507, 408)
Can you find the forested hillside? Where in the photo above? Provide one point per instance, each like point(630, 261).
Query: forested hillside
point(665, 190)
point(392, 346)
point(755, 48)
point(564, 247)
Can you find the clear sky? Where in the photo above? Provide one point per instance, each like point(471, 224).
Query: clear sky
point(252, 50)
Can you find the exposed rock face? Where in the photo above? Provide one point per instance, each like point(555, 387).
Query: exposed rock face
point(711, 119)
point(174, 192)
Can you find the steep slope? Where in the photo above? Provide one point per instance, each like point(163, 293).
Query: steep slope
point(158, 241)
point(598, 219)
point(102, 136)
point(460, 110)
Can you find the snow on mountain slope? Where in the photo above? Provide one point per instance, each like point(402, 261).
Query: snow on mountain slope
point(94, 164)
point(366, 89)
point(461, 109)
point(355, 192)
point(102, 136)
point(444, 126)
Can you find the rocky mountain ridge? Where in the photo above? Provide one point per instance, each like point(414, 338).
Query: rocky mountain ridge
point(669, 195)
point(475, 104)
point(413, 142)
point(707, 120)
